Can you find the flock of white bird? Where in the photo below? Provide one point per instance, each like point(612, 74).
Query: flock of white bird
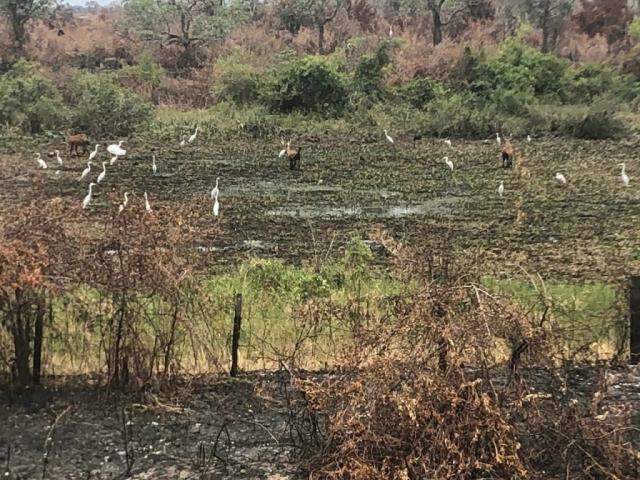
point(624, 178)
point(117, 152)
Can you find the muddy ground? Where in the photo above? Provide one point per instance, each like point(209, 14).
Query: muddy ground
point(211, 428)
point(586, 229)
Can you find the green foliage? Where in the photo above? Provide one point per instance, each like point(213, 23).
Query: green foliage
point(285, 280)
point(458, 115)
point(103, 108)
point(634, 29)
point(236, 79)
point(598, 121)
point(308, 84)
point(525, 73)
point(146, 70)
point(590, 81)
point(30, 101)
point(369, 73)
point(420, 91)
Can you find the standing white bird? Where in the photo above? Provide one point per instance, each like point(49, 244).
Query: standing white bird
point(498, 139)
point(449, 163)
point(58, 157)
point(501, 189)
point(103, 173)
point(123, 204)
point(389, 139)
point(116, 149)
point(147, 205)
point(113, 160)
point(623, 175)
point(561, 178)
point(87, 199)
point(93, 154)
point(448, 142)
point(184, 141)
point(86, 171)
point(41, 162)
point(216, 191)
point(528, 138)
point(154, 167)
point(192, 138)
point(390, 31)
point(216, 207)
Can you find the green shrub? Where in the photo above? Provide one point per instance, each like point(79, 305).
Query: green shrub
point(104, 108)
point(420, 91)
point(459, 115)
point(369, 72)
point(308, 84)
point(30, 101)
point(236, 79)
point(525, 72)
point(598, 121)
point(590, 81)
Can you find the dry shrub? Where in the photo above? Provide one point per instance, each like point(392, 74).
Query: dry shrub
point(457, 383)
point(579, 47)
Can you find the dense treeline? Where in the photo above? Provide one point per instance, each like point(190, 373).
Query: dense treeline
point(445, 68)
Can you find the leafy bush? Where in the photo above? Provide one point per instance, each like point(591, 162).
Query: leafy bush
point(30, 101)
point(369, 72)
point(596, 122)
point(523, 71)
point(590, 81)
point(420, 91)
point(104, 108)
point(459, 115)
point(235, 79)
point(308, 84)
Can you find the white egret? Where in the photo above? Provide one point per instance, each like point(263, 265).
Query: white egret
point(154, 167)
point(389, 139)
point(283, 152)
point(192, 138)
point(113, 160)
point(116, 149)
point(216, 207)
point(58, 157)
point(498, 139)
point(184, 141)
point(93, 154)
point(501, 189)
point(86, 171)
point(147, 205)
point(41, 162)
point(448, 142)
point(561, 178)
point(528, 138)
point(449, 163)
point(103, 173)
point(216, 191)
point(623, 175)
point(390, 31)
point(57, 173)
point(123, 204)
point(87, 199)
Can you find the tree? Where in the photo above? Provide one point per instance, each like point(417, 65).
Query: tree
point(605, 17)
point(435, 8)
point(19, 13)
point(549, 16)
point(316, 13)
point(184, 23)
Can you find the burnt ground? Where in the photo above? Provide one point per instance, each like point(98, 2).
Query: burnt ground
point(215, 428)
point(208, 428)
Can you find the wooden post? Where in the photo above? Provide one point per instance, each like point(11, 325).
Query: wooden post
point(634, 320)
point(235, 339)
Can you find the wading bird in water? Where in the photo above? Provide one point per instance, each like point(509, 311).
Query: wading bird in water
point(123, 204)
point(103, 173)
point(93, 154)
point(448, 142)
point(192, 138)
point(154, 167)
point(216, 191)
point(216, 206)
point(449, 163)
point(501, 189)
point(147, 205)
point(561, 178)
point(58, 157)
point(87, 199)
point(498, 139)
point(86, 171)
point(41, 163)
point(116, 149)
point(389, 139)
point(623, 175)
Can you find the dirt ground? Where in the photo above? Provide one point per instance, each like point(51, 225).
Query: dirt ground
point(215, 428)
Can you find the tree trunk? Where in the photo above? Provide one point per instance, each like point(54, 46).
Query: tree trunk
point(21, 329)
point(437, 26)
point(545, 25)
point(321, 38)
